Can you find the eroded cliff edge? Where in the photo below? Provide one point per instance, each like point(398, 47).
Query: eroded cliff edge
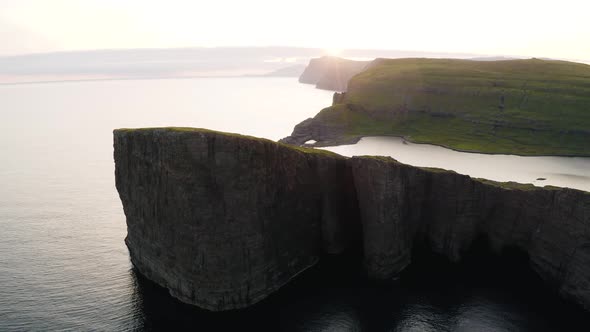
point(224, 220)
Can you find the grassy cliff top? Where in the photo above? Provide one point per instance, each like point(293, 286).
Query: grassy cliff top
point(319, 152)
point(526, 107)
point(509, 185)
point(189, 130)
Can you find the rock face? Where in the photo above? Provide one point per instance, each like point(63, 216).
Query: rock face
point(223, 220)
point(331, 73)
point(326, 128)
point(401, 205)
point(329, 133)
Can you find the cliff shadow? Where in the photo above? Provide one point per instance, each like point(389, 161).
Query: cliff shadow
point(325, 294)
point(504, 279)
point(478, 262)
point(335, 295)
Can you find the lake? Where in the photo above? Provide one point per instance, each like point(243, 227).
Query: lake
point(64, 265)
point(571, 172)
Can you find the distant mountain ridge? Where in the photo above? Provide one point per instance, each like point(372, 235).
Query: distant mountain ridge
point(173, 62)
point(179, 62)
point(290, 71)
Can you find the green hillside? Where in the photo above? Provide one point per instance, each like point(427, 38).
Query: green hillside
point(528, 107)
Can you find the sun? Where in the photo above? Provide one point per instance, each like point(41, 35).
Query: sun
point(332, 51)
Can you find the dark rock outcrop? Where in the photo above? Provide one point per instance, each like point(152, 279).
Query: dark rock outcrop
point(328, 133)
point(331, 73)
point(223, 220)
point(401, 204)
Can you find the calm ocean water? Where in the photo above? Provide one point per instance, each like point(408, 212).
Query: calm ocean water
point(64, 266)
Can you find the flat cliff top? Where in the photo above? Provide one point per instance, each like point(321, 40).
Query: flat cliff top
point(188, 131)
point(524, 107)
point(202, 131)
point(509, 185)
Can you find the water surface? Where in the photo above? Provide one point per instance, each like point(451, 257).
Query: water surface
point(572, 172)
point(64, 265)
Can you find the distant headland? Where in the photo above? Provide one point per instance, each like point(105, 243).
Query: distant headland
point(523, 107)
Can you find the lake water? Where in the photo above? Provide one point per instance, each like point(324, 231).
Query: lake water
point(64, 266)
point(556, 171)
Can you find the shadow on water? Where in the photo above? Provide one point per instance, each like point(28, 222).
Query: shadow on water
point(485, 292)
point(322, 298)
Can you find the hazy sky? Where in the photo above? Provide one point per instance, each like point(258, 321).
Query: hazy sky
point(539, 28)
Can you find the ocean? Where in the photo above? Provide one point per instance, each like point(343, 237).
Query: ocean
point(64, 265)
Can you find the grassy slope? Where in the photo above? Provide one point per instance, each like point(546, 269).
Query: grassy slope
point(456, 103)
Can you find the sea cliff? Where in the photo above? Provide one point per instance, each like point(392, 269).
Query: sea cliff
point(331, 73)
point(224, 220)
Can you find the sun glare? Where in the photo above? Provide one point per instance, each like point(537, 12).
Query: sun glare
point(332, 51)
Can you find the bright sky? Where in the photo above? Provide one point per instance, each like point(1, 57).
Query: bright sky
point(541, 28)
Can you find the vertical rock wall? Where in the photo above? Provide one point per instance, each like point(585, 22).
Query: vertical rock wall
point(224, 220)
point(401, 204)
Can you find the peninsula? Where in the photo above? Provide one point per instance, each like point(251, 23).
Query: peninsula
point(524, 107)
point(223, 220)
